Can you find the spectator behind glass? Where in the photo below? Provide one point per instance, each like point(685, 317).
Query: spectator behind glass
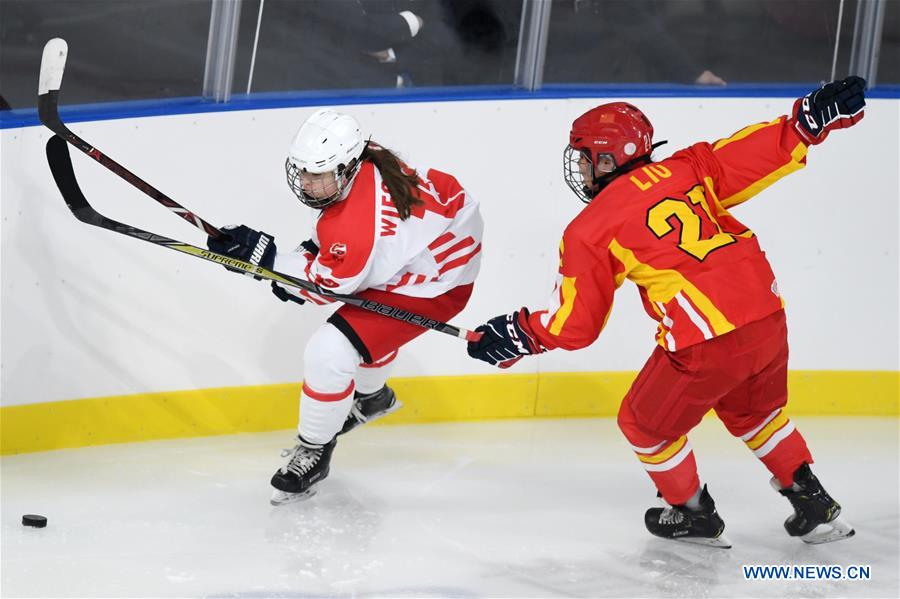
point(465, 42)
point(328, 44)
point(626, 41)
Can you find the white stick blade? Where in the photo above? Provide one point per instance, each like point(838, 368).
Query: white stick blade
point(53, 63)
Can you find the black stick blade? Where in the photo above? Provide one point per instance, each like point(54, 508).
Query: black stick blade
point(61, 166)
point(48, 111)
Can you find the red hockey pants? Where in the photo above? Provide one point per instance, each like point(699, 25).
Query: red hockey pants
point(742, 375)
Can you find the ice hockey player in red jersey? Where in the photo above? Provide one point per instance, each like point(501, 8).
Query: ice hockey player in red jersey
point(722, 339)
point(408, 238)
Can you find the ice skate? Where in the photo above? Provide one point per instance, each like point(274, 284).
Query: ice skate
point(816, 518)
point(370, 407)
point(307, 467)
point(681, 523)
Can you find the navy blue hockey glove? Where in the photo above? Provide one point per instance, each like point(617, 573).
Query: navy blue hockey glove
point(836, 105)
point(505, 340)
point(284, 295)
point(245, 244)
point(311, 250)
point(310, 246)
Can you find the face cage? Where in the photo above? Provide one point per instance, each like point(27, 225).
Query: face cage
point(572, 174)
point(343, 177)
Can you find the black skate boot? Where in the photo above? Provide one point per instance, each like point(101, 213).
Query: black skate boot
point(370, 407)
point(307, 466)
point(816, 515)
point(680, 523)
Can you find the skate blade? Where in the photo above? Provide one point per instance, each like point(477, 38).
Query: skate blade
point(828, 532)
point(720, 542)
point(281, 498)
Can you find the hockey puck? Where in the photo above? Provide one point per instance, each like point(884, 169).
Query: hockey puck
point(34, 520)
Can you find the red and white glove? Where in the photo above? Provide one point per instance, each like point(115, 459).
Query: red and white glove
point(505, 340)
point(836, 105)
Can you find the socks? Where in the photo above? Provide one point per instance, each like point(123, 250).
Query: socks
point(693, 503)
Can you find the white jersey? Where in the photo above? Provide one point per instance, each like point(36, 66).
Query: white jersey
point(363, 244)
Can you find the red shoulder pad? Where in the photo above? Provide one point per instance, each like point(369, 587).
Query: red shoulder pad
point(346, 230)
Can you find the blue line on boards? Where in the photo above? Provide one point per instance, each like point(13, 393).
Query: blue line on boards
point(12, 119)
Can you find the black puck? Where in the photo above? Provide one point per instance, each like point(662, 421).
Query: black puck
point(34, 520)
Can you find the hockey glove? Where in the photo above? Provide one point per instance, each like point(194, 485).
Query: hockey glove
point(310, 251)
point(245, 244)
point(285, 295)
point(309, 246)
point(836, 105)
point(505, 340)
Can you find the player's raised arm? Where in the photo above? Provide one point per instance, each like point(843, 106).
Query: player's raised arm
point(752, 159)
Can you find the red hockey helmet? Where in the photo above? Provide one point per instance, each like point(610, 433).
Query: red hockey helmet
point(616, 132)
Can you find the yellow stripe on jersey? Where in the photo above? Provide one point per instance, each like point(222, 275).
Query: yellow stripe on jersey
point(665, 454)
point(663, 285)
point(797, 154)
point(762, 436)
point(746, 131)
point(568, 295)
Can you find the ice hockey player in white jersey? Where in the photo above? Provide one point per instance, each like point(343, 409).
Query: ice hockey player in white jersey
point(409, 238)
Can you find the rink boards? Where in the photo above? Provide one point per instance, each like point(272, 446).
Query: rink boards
point(107, 339)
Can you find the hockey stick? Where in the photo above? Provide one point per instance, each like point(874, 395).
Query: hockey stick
point(61, 166)
point(53, 63)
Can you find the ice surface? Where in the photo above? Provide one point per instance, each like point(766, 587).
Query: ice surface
point(518, 508)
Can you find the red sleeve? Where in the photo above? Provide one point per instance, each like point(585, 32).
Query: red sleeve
point(739, 167)
point(440, 193)
point(583, 296)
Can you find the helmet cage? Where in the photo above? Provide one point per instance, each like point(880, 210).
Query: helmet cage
point(574, 177)
point(343, 176)
point(572, 173)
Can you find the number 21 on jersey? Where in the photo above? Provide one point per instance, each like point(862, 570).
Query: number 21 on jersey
point(659, 219)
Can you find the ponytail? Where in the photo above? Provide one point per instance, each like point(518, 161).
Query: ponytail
point(400, 180)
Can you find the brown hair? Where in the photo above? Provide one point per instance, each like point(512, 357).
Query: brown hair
point(401, 181)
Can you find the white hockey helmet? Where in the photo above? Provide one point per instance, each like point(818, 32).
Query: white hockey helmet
point(327, 141)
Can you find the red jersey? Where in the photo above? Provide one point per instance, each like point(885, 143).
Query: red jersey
point(666, 227)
